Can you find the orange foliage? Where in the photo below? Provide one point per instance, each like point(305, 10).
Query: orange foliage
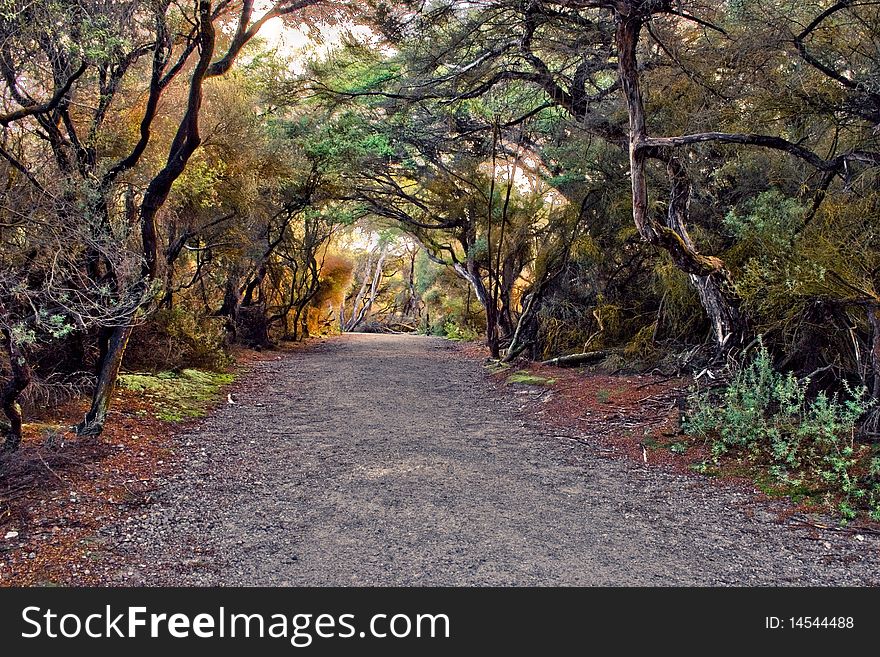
point(336, 273)
point(335, 279)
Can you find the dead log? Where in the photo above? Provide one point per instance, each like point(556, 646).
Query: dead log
point(581, 359)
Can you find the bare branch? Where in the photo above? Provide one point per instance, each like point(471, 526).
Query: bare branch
point(49, 105)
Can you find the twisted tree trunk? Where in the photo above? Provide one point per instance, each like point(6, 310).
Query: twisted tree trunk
point(715, 289)
point(372, 280)
point(185, 143)
point(471, 273)
point(93, 423)
point(526, 328)
point(707, 273)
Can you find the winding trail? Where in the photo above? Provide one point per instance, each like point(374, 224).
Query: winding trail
point(390, 460)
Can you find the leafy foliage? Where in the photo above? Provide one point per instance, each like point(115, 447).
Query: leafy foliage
point(175, 339)
point(770, 417)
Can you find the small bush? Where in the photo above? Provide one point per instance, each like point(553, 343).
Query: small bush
point(453, 331)
point(768, 416)
point(174, 339)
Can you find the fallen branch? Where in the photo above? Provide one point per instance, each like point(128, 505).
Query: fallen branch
point(49, 468)
point(580, 359)
point(852, 531)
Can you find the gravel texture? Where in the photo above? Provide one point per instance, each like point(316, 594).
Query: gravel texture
point(392, 460)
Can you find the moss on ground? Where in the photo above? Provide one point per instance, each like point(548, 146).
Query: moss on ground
point(527, 378)
point(177, 396)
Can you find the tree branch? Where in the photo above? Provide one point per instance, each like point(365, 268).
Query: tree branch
point(49, 105)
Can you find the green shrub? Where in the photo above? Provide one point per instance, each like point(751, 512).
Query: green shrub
point(174, 339)
point(453, 331)
point(769, 416)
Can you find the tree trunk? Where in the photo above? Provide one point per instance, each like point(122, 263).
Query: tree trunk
point(93, 422)
point(301, 314)
point(19, 379)
point(231, 306)
point(172, 253)
point(527, 327)
point(185, 142)
point(410, 308)
point(716, 289)
point(707, 273)
point(871, 425)
point(372, 280)
point(508, 275)
point(874, 320)
point(524, 334)
point(492, 340)
point(296, 316)
point(358, 300)
point(254, 284)
point(472, 275)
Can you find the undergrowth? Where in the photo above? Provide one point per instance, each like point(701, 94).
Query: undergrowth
point(453, 331)
point(804, 443)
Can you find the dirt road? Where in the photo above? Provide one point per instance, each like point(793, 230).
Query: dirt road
point(391, 460)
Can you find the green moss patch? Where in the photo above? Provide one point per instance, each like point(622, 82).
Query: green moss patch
point(527, 378)
point(177, 396)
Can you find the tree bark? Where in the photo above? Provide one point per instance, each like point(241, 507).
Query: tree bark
point(231, 304)
point(372, 280)
point(874, 320)
point(524, 334)
point(715, 290)
point(254, 284)
point(93, 423)
point(707, 273)
point(472, 275)
point(358, 299)
point(19, 380)
point(302, 304)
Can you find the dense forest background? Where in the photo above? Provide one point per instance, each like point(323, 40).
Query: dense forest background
point(657, 185)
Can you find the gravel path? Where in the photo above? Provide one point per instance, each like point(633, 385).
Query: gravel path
point(390, 460)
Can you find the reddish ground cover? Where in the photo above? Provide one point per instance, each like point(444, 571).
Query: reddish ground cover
point(58, 490)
